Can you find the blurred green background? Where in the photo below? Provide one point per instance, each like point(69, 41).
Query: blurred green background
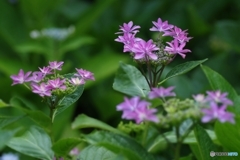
point(214, 24)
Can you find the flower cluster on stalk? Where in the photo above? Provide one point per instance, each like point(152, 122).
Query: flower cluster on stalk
point(46, 82)
point(155, 54)
point(173, 111)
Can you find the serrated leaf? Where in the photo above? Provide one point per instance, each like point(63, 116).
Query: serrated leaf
point(181, 69)
point(96, 152)
point(83, 121)
point(129, 80)
point(35, 143)
point(205, 144)
point(118, 144)
point(64, 146)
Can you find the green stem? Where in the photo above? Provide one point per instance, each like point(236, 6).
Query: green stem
point(160, 74)
point(149, 72)
point(142, 71)
point(145, 134)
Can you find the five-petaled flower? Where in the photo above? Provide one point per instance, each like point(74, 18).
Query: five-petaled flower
point(84, 74)
point(136, 109)
point(161, 92)
point(56, 65)
point(145, 50)
point(42, 89)
point(128, 28)
point(161, 26)
point(21, 77)
point(177, 48)
point(216, 111)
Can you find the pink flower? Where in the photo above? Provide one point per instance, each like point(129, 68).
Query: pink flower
point(161, 26)
point(161, 92)
point(37, 76)
point(77, 81)
point(217, 112)
point(56, 65)
point(21, 77)
point(41, 89)
point(176, 48)
point(138, 110)
point(218, 97)
point(143, 49)
point(45, 70)
point(84, 74)
point(57, 83)
point(128, 28)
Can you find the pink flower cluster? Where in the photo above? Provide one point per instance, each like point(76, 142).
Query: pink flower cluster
point(142, 49)
point(43, 85)
point(217, 104)
point(138, 110)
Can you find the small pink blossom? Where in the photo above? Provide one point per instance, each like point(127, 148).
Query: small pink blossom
point(84, 74)
point(41, 89)
point(57, 83)
point(161, 26)
point(45, 70)
point(176, 48)
point(21, 77)
point(128, 28)
point(143, 49)
point(77, 81)
point(56, 65)
point(161, 92)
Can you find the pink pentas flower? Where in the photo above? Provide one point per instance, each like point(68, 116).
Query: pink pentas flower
point(41, 89)
point(218, 112)
point(161, 92)
point(56, 65)
point(161, 26)
point(176, 48)
point(37, 76)
point(84, 74)
point(77, 81)
point(57, 83)
point(46, 70)
point(143, 49)
point(21, 77)
point(128, 28)
point(136, 109)
point(218, 97)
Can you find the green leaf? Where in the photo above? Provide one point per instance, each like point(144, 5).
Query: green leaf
point(205, 144)
point(160, 142)
point(3, 104)
point(228, 135)
point(96, 152)
point(118, 144)
point(217, 82)
point(83, 121)
point(5, 136)
point(181, 69)
point(129, 80)
point(35, 142)
point(5, 121)
point(64, 146)
point(38, 117)
point(69, 99)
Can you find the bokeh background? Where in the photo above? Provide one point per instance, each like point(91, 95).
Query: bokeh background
point(91, 25)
